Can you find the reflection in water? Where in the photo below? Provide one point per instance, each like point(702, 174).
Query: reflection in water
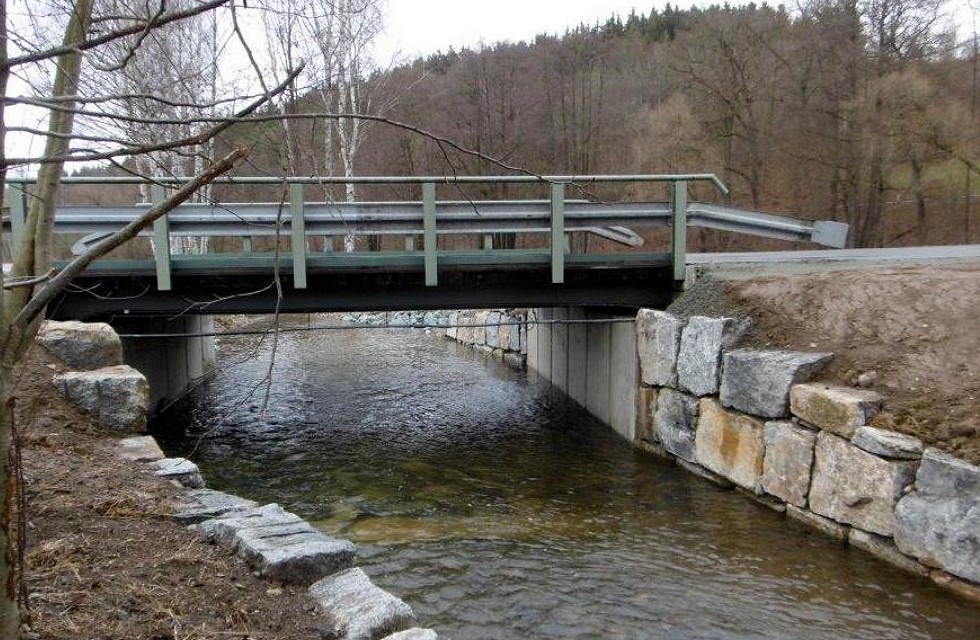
point(498, 509)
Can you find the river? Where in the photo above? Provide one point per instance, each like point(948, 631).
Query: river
point(498, 509)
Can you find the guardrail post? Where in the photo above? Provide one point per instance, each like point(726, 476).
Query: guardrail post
point(18, 215)
point(247, 244)
point(487, 242)
point(430, 245)
point(297, 230)
point(679, 229)
point(161, 240)
point(327, 244)
point(557, 233)
point(410, 244)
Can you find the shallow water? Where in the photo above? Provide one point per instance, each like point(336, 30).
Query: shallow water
point(498, 509)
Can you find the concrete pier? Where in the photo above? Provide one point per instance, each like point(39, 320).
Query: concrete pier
point(171, 365)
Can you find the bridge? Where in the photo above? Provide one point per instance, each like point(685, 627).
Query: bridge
point(539, 270)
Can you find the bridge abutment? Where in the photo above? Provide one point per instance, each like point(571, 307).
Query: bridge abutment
point(592, 360)
point(172, 365)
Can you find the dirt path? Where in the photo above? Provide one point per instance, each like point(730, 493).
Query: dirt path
point(916, 329)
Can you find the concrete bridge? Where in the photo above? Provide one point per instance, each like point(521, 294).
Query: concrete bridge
point(162, 292)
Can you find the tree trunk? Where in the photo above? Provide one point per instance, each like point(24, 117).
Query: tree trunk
point(9, 611)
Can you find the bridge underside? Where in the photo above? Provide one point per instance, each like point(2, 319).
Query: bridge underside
point(130, 289)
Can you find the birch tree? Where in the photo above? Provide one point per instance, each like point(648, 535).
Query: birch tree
point(31, 283)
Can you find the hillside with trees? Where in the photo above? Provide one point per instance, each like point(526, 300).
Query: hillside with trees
point(863, 111)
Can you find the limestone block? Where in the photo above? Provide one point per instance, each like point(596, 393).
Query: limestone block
point(675, 422)
point(944, 475)
point(180, 470)
point(699, 355)
point(855, 487)
point(824, 525)
point(82, 346)
point(962, 588)
point(887, 444)
point(452, 330)
point(658, 339)
point(480, 329)
point(280, 545)
point(414, 634)
point(465, 333)
point(359, 610)
point(886, 550)
point(758, 381)
point(646, 407)
point(509, 335)
point(199, 505)
point(139, 449)
point(730, 444)
point(941, 532)
point(840, 410)
point(115, 396)
point(514, 360)
point(701, 472)
point(493, 330)
point(788, 462)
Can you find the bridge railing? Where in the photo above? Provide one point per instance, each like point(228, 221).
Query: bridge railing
point(555, 216)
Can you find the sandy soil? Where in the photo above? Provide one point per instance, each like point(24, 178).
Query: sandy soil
point(104, 561)
point(917, 328)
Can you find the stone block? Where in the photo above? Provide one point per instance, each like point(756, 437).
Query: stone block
point(199, 505)
point(280, 545)
point(359, 610)
point(493, 330)
point(887, 444)
point(514, 360)
point(676, 421)
point(115, 396)
point(139, 449)
point(824, 525)
point(414, 634)
point(886, 550)
point(480, 328)
point(509, 335)
point(180, 470)
point(758, 381)
point(840, 410)
point(701, 472)
point(82, 346)
point(941, 474)
point(646, 407)
point(658, 340)
point(962, 588)
point(699, 355)
point(788, 462)
point(940, 531)
point(452, 331)
point(730, 444)
point(855, 487)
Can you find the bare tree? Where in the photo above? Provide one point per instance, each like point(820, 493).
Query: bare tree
point(31, 284)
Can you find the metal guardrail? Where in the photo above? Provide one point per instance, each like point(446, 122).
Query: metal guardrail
point(428, 218)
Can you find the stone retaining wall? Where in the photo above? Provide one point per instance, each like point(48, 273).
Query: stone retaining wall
point(752, 419)
point(500, 333)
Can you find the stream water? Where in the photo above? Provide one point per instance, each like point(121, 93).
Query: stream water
point(498, 509)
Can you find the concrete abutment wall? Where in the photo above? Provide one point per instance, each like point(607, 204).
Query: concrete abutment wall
point(172, 366)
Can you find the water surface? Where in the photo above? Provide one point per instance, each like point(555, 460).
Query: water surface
point(498, 509)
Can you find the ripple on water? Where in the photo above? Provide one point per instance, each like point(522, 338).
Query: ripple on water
point(498, 509)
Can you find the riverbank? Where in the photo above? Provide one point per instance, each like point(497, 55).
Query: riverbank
point(104, 559)
point(910, 333)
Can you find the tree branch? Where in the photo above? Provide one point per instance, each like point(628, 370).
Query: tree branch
point(35, 306)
